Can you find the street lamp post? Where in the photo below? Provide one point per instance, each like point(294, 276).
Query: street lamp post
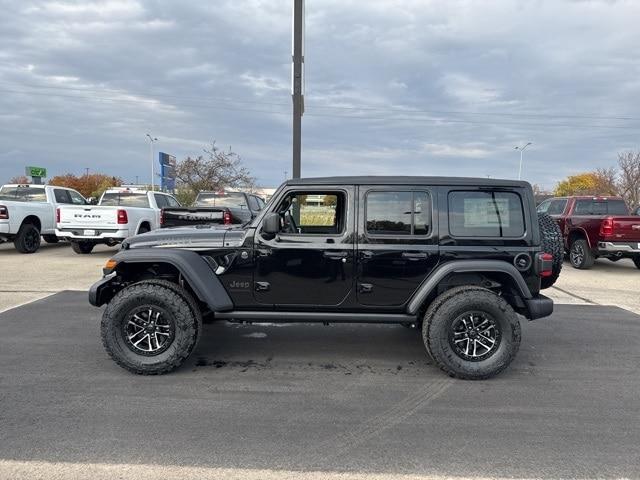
point(153, 170)
point(521, 151)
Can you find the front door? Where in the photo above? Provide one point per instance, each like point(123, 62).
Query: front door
point(397, 243)
point(311, 260)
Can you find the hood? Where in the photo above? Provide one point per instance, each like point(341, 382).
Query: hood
point(196, 237)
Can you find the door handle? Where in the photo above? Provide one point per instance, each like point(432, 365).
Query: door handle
point(414, 255)
point(335, 255)
point(366, 254)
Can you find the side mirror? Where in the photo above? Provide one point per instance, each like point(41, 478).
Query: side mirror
point(271, 223)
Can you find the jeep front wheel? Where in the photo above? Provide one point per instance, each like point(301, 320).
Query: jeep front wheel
point(473, 334)
point(151, 327)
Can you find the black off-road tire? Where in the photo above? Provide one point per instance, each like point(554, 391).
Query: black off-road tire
point(171, 298)
point(82, 248)
point(552, 243)
point(28, 238)
point(452, 305)
point(50, 238)
point(580, 255)
point(636, 261)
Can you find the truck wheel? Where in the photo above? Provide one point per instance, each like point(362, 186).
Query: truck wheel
point(82, 247)
point(150, 328)
point(473, 333)
point(580, 255)
point(50, 238)
point(28, 238)
point(552, 243)
point(636, 261)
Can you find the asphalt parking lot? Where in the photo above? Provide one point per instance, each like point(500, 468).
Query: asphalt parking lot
point(309, 401)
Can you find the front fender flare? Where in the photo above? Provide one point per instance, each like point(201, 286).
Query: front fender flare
point(193, 268)
point(465, 266)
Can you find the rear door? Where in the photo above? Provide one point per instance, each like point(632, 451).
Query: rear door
point(397, 242)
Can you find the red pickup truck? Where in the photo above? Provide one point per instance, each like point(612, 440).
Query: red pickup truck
point(595, 227)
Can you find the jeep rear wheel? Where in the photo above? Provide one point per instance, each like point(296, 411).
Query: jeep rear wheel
point(552, 243)
point(28, 238)
point(580, 255)
point(472, 334)
point(150, 327)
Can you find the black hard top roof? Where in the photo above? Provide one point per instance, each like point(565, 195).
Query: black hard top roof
point(407, 180)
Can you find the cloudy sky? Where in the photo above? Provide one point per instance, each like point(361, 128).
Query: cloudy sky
point(414, 87)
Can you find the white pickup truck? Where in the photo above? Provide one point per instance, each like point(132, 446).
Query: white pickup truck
point(29, 211)
point(120, 213)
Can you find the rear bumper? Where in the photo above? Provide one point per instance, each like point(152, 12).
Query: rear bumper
point(618, 247)
point(101, 235)
point(539, 306)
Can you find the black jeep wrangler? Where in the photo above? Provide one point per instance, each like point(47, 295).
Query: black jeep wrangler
point(459, 258)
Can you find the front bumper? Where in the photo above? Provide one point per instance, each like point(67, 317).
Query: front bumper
point(619, 247)
point(99, 235)
point(102, 291)
point(539, 306)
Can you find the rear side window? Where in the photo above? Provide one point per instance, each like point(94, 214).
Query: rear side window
point(485, 214)
point(161, 200)
point(23, 194)
point(398, 213)
point(62, 196)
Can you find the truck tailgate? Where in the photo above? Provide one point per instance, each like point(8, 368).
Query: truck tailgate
point(181, 216)
point(89, 216)
point(626, 229)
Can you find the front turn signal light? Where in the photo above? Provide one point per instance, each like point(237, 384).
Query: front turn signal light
point(109, 266)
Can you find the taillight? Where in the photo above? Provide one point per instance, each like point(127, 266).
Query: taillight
point(545, 264)
point(4, 213)
point(122, 217)
point(227, 217)
point(58, 215)
point(606, 227)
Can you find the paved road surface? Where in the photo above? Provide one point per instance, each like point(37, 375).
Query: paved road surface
point(268, 401)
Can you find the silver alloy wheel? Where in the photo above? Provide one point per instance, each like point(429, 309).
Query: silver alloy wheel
point(577, 254)
point(148, 330)
point(474, 336)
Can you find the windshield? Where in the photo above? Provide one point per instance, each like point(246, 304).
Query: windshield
point(125, 199)
point(233, 199)
point(23, 194)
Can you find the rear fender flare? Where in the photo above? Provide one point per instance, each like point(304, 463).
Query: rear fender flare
point(465, 266)
point(194, 269)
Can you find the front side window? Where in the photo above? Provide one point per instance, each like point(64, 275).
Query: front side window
point(320, 213)
point(398, 213)
point(172, 202)
point(253, 203)
point(76, 198)
point(556, 207)
point(485, 214)
point(125, 199)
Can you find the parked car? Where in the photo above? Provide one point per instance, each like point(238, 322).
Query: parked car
point(29, 211)
point(457, 257)
point(595, 227)
point(120, 213)
point(224, 208)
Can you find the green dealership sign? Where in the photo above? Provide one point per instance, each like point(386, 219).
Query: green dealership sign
point(36, 172)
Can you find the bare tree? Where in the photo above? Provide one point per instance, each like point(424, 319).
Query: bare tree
point(629, 177)
point(607, 181)
point(215, 170)
point(20, 179)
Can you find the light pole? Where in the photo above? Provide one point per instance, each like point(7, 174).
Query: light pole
point(153, 170)
point(521, 151)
